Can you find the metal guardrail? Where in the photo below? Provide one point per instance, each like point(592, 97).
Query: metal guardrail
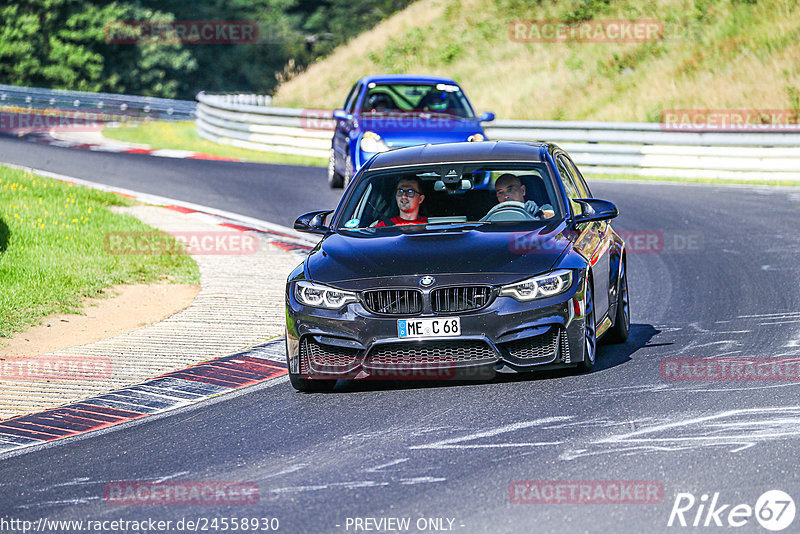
point(235, 121)
point(646, 149)
point(104, 104)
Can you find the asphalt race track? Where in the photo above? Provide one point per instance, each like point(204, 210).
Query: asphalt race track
point(276, 193)
point(714, 274)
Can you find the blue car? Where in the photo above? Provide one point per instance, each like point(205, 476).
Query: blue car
point(389, 111)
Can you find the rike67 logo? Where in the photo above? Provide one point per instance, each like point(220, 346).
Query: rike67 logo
point(774, 510)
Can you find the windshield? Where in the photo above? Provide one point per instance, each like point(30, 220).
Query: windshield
point(426, 197)
point(437, 98)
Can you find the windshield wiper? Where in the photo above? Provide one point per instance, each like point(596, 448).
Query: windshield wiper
point(443, 115)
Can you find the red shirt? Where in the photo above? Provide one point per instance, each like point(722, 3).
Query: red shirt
point(399, 221)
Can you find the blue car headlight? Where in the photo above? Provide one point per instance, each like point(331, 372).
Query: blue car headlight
point(319, 296)
point(537, 287)
point(476, 137)
point(372, 143)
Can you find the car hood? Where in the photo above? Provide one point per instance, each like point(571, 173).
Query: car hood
point(403, 132)
point(496, 257)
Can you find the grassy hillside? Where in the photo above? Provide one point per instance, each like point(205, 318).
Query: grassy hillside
point(715, 54)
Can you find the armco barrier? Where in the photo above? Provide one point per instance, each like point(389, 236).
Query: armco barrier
point(104, 104)
point(225, 119)
point(646, 149)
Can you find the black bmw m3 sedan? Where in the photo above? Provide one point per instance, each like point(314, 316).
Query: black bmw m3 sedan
point(444, 260)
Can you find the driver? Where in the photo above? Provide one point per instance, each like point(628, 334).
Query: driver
point(408, 197)
point(509, 188)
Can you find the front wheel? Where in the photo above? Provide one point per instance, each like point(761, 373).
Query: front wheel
point(334, 178)
point(310, 386)
point(589, 333)
point(303, 384)
point(622, 322)
point(348, 171)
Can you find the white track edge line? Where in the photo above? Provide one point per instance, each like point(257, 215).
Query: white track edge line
point(148, 198)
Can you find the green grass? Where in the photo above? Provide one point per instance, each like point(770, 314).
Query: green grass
point(52, 251)
point(183, 136)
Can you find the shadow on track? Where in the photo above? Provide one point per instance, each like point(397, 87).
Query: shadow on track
point(609, 356)
point(612, 355)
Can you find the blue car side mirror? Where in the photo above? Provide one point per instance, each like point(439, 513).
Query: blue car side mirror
point(486, 117)
point(341, 114)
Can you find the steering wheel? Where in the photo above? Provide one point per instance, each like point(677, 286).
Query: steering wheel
point(382, 216)
point(508, 211)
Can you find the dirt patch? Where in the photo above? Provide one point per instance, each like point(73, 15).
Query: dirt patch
point(131, 307)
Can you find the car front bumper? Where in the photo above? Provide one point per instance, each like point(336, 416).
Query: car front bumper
point(504, 336)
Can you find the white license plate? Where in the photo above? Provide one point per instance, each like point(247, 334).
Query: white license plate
point(439, 327)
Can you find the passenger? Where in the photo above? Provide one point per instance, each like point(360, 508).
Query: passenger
point(509, 187)
point(408, 197)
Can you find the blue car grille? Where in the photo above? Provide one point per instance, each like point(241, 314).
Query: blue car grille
point(393, 301)
point(460, 299)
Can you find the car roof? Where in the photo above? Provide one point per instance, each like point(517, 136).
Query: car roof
point(460, 153)
point(420, 78)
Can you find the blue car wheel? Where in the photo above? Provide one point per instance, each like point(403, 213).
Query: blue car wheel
point(334, 178)
point(348, 170)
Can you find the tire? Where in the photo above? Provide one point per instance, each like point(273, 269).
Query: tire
point(334, 178)
point(310, 386)
point(348, 171)
point(305, 385)
point(622, 321)
point(589, 333)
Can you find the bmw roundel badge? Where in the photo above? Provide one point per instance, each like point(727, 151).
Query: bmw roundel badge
point(426, 281)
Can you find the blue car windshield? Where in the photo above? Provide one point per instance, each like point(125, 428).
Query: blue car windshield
point(435, 98)
point(426, 198)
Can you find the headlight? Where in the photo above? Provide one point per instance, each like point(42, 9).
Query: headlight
point(545, 285)
point(476, 137)
point(319, 296)
point(372, 142)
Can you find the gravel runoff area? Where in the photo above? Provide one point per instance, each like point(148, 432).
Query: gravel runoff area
point(240, 304)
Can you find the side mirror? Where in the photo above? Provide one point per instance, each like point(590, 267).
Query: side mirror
point(313, 222)
point(595, 210)
point(486, 117)
point(341, 114)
